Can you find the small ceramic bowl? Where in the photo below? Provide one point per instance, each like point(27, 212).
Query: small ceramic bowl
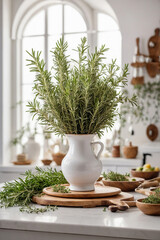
point(125, 186)
point(148, 208)
point(145, 175)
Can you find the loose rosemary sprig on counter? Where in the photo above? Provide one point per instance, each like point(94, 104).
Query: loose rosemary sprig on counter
point(20, 192)
point(33, 209)
point(114, 176)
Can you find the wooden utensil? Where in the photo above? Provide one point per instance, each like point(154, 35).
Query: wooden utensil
point(119, 200)
point(149, 184)
point(100, 191)
point(146, 191)
point(154, 179)
point(148, 208)
point(125, 186)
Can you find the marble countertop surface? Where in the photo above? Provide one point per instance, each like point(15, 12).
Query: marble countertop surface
point(90, 221)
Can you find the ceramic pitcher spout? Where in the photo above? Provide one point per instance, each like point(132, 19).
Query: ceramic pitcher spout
point(81, 167)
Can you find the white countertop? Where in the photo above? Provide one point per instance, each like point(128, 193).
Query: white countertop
point(131, 224)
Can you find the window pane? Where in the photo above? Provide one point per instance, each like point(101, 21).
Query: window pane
point(55, 19)
point(51, 45)
point(112, 40)
point(36, 25)
point(73, 21)
point(106, 23)
point(73, 41)
point(27, 93)
point(37, 43)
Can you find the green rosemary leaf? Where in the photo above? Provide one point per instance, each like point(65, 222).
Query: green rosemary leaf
point(104, 209)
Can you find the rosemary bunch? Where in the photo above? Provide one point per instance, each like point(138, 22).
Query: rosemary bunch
point(83, 99)
point(21, 191)
point(114, 176)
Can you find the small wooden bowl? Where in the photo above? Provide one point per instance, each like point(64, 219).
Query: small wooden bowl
point(145, 175)
point(58, 157)
point(148, 208)
point(125, 186)
point(130, 151)
point(27, 162)
point(46, 161)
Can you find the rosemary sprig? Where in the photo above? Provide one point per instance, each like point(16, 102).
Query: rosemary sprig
point(114, 176)
point(21, 191)
point(61, 189)
point(31, 209)
point(153, 199)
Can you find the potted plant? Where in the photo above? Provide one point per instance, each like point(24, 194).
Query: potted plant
point(79, 102)
point(18, 140)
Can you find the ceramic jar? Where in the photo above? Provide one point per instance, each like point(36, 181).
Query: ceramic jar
point(116, 151)
point(81, 167)
point(32, 149)
point(130, 151)
point(63, 147)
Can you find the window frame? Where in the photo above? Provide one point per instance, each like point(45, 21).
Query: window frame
point(25, 12)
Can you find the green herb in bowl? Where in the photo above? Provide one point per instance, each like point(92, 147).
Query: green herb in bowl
point(154, 198)
point(114, 176)
point(133, 179)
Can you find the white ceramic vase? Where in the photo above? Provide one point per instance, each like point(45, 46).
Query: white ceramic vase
point(32, 149)
point(81, 167)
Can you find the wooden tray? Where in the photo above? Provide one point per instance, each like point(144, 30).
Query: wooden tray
point(125, 186)
point(100, 191)
point(92, 202)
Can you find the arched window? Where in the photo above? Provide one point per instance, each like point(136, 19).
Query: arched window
point(41, 33)
point(44, 25)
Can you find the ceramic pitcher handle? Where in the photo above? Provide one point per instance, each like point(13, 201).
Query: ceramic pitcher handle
point(101, 149)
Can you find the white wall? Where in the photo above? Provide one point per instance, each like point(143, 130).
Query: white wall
point(137, 18)
point(0, 80)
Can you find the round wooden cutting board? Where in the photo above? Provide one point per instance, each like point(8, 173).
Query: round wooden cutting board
point(75, 202)
point(100, 191)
